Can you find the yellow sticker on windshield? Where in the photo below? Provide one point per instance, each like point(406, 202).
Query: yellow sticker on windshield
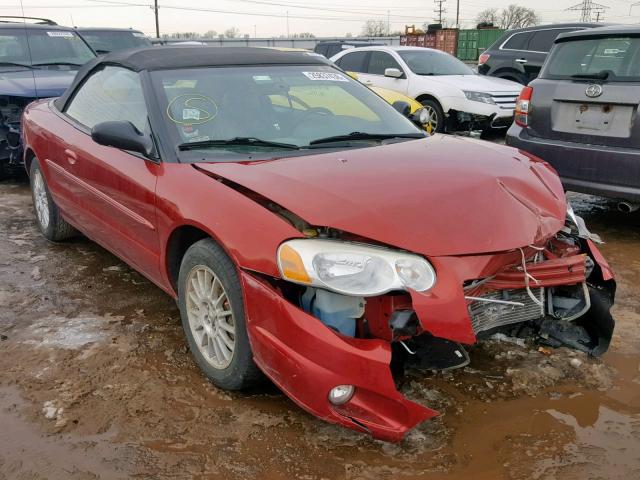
point(191, 109)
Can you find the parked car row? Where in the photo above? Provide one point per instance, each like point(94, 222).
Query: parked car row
point(40, 59)
point(310, 232)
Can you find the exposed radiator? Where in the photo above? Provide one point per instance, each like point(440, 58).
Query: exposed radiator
point(488, 315)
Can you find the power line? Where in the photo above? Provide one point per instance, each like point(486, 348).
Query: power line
point(587, 7)
point(440, 10)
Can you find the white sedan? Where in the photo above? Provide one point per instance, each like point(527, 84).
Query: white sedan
point(455, 96)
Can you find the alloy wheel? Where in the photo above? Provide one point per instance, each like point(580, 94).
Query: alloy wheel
point(210, 317)
point(40, 199)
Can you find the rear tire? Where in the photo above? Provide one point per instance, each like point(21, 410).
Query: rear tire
point(48, 217)
point(436, 114)
point(212, 311)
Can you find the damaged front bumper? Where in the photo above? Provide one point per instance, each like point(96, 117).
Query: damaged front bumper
point(558, 294)
point(306, 360)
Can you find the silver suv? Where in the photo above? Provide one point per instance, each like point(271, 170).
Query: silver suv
point(580, 114)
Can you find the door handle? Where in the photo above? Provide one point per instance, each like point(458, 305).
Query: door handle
point(521, 60)
point(71, 156)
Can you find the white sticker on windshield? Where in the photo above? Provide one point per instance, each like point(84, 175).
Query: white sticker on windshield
point(60, 34)
point(261, 78)
point(191, 114)
point(327, 76)
point(138, 34)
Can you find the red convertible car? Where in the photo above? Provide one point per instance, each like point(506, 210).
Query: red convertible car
point(309, 231)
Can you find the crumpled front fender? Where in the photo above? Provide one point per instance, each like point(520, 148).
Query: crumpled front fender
point(306, 359)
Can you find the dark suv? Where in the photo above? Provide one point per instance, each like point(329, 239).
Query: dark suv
point(333, 47)
point(580, 115)
point(38, 59)
point(106, 40)
point(519, 54)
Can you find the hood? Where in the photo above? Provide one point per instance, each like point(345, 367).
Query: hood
point(479, 83)
point(438, 196)
point(35, 83)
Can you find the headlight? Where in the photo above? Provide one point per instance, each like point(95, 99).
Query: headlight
point(479, 97)
point(353, 269)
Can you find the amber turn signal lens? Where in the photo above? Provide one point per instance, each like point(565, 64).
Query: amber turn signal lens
point(291, 265)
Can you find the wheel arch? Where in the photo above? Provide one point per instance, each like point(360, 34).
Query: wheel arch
point(428, 96)
point(29, 155)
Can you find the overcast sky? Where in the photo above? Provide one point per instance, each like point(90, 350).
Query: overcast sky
point(268, 18)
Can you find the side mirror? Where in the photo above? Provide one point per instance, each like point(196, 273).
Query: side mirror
point(123, 135)
point(393, 72)
point(402, 107)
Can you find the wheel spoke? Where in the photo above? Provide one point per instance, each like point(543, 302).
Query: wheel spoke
point(222, 347)
point(226, 327)
point(226, 340)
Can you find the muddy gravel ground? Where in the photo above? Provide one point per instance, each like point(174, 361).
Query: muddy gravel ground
point(96, 382)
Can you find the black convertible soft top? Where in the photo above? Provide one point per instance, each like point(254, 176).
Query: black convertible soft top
point(175, 57)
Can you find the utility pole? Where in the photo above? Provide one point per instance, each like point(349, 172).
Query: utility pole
point(255, 31)
point(155, 11)
point(586, 8)
point(440, 10)
point(388, 23)
point(457, 13)
point(287, 23)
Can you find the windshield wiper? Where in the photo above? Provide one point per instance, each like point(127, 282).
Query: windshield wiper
point(14, 64)
point(251, 141)
point(46, 64)
point(364, 136)
point(601, 75)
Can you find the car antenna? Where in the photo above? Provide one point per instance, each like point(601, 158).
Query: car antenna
point(26, 36)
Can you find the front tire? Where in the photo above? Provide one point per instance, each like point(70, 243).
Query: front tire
point(48, 217)
point(212, 312)
point(436, 116)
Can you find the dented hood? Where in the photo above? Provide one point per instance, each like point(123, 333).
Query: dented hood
point(442, 195)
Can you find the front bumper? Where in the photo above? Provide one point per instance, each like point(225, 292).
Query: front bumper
point(306, 359)
point(593, 169)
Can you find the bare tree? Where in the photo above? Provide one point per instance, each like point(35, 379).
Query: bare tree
point(488, 15)
point(515, 16)
point(210, 34)
point(374, 28)
point(303, 35)
point(232, 32)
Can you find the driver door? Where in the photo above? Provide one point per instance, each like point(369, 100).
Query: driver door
point(114, 189)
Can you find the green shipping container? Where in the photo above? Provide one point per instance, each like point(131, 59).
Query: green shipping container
point(472, 42)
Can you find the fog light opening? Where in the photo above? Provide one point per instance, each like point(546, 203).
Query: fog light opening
point(341, 394)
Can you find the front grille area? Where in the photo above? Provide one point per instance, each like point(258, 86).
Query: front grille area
point(505, 101)
point(489, 315)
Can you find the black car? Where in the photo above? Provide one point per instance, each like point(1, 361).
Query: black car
point(38, 59)
point(331, 48)
point(519, 54)
point(106, 40)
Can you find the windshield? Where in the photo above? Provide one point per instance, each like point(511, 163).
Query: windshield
point(49, 47)
point(608, 58)
point(292, 105)
point(432, 62)
point(108, 41)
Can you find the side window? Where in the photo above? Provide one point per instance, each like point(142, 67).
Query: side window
point(112, 93)
point(519, 41)
point(380, 61)
point(542, 40)
point(321, 49)
point(354, 62)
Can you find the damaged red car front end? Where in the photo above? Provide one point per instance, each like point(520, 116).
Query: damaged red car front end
point(506, 256)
